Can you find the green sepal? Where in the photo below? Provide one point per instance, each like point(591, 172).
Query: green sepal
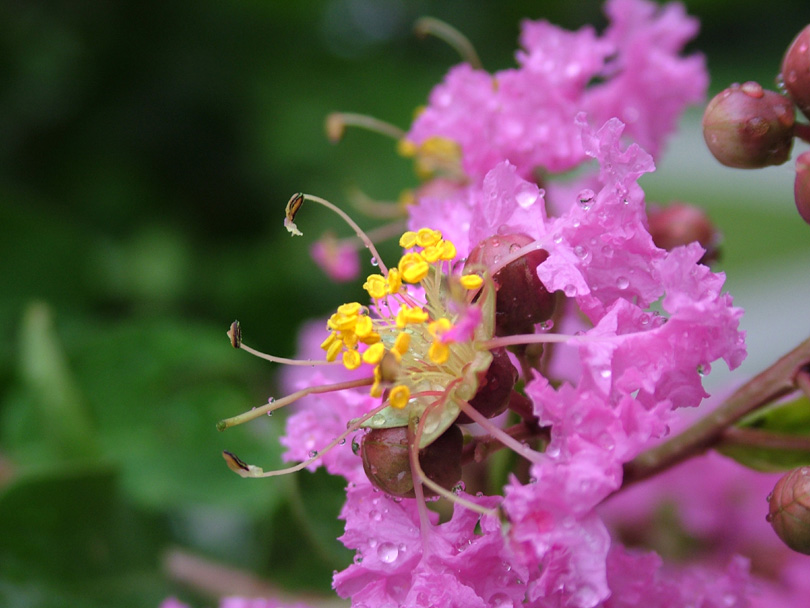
point(791, 419)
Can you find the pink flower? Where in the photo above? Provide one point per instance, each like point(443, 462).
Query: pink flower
point(526, 115)
point(339, 260)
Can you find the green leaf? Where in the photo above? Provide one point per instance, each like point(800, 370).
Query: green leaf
point(772, 439)
point(70, 539)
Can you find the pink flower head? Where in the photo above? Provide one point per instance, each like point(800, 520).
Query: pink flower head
point(526, 115)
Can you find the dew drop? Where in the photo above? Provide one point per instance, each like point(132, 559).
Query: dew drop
point(585, 198)
point(605, 373)
point(374, 262)
point(581, 252)
point(271, 400)
point(547, 325)
point(313, 453)
point(377, 420)
point(342, 441)
point(375, 515)
point(570, 291)
point(644, 319)
point(622, 283)
point(355, 446)
point(500, 599)
point(459, 488)
point(558, 238)
point(526, 196)
point(270, 413)
point(387, 552)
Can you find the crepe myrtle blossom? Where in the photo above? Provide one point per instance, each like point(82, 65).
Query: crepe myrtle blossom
point(632, 71)
point(420, 354)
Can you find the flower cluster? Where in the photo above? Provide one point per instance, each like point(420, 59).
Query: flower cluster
point(530, 312)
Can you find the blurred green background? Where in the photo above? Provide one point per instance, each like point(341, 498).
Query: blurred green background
point(147, 150)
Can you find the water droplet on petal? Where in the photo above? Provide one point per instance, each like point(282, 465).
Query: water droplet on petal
point(585, 198)
point(375, 515)
point(374, 262)
point(622, 283)
point(570, 291)
point(387, 552)
point(526, 196)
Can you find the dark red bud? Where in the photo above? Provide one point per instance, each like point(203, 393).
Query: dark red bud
point(679, 224)
point(386, 460)
point(522, 300)
point(796, 71)
point(789, 509)
point(494, 387)
point(748, 127)
point(801, 187)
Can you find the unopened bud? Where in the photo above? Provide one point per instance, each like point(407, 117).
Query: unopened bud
point(796, 71)
point(494, 387)
point(789, 509)
point(680, 224)
point(386, 460)
point(801, 187)
point(522, 300)
point(748, 127)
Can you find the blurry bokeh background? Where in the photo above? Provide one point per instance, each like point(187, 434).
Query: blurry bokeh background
point(147, 150)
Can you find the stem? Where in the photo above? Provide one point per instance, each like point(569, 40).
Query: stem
point(450, 35)
point(479, 448)
point(336, 123)
point(764, 439)
point(256, 412)
point(802, 131)
point(774, 382)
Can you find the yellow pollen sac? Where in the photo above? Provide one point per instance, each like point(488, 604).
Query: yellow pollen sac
point(342, 322)
point(408, 315)
point(351, 359)
point(448, 250)
point(471, 281)
point(439, 326)
point(399, 396)
point(406, 148)
point(329, 340)
point(431, 253)
point(374, 353)
point(425, 237)
point(407, 240)
point(413, 267)
point(333, 350)
point(439, 352)
point(350, 309)
point(371, 338)
point(402, 343)
point(349, 339)
point(363, 327)
point(376, 286)
point(394, 281)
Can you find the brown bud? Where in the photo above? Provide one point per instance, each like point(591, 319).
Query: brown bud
point(522, 300)
point(386, 460)
point(789, 509)
point(679, 224)
point(748, 127)
point(796, 71)
point(494, 387)
point(801, 187)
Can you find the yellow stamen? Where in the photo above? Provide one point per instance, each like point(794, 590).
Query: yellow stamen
point(399, 396)
point(376, 286)
point(333, 350)
point(471, 281)
point(439, 352)
point(351, 359)
point(413, 267)
point(363, 327)
point(394, 281)
point(374, 353)
point(407, 240)
point(425, 237)
point(401, 344)
point(410, 315)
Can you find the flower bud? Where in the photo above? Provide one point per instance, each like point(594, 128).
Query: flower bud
point(386, 460)
point(748, 127)
point(789, 509)
point(796, 71)
point(522, 300)
point(681, 224)
point(494, 387)
point(801, 187)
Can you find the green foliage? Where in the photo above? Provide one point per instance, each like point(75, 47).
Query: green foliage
point(785, 420)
